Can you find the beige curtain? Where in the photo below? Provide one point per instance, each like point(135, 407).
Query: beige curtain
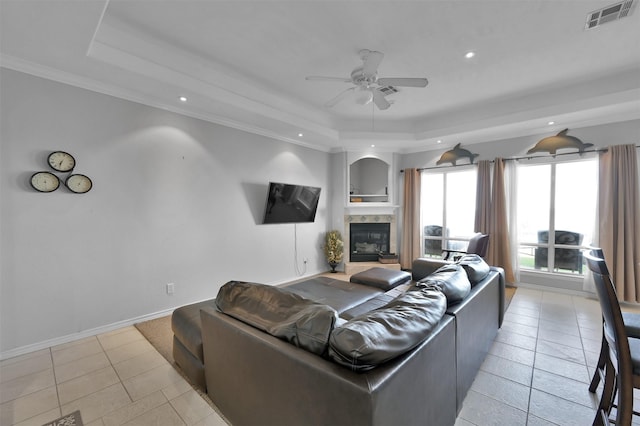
point(483, 197)
point(619, 223)
point(499, 243)
point(410, 218)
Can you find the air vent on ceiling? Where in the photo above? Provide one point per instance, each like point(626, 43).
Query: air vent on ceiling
point(388, 90)
point(608, 14)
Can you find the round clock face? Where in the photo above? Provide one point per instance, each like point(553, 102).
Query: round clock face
point(61, 161)
point(78, 183)
point(44, 182)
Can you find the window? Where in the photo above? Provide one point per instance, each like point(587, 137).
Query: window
point(448, 202)
point(556, 214)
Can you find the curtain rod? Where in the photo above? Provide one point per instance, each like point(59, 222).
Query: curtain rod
point(525, 157)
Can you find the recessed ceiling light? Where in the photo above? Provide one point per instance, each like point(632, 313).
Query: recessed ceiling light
point(183, 99)
point(469, 55)
point(373, 146)
point(300, 135)
point(439, 141)
point(551, 123)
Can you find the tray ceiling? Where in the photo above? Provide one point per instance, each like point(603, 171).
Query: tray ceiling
point(244, 63)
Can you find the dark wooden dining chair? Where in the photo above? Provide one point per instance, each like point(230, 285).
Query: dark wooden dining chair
point(622, 363)
point(631, 324)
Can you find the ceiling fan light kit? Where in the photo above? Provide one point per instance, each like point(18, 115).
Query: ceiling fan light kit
point(366, 84)
point(364, 95)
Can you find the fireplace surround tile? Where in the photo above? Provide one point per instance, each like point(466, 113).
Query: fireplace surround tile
point(350, 267)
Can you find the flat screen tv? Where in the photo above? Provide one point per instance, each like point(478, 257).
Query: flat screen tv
point(288, 203)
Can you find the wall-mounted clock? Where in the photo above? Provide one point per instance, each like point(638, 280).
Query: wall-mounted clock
point(61, 161)
point(45, 181)
point(78, 183)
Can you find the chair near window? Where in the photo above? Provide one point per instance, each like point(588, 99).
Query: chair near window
point(623, 375)
point(564, 258)
point(478, 244)
point(433, 247)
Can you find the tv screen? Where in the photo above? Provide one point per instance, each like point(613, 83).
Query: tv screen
point(291, 203)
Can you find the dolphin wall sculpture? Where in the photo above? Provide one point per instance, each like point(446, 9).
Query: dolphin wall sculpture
point(560, 141)
point(455, 154)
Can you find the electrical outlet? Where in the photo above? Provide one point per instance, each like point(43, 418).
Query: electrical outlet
point(170, 288)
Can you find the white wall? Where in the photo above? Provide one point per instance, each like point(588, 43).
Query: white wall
point(175, 200)
point(625, 132)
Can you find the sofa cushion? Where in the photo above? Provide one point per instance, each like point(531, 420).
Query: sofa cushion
point(383, 278)
point(283, 314)
point(475, 266)
point(339, 294)
point(452, 280)
point(380, 335)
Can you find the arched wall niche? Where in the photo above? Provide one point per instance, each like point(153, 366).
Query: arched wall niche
point(369, 177)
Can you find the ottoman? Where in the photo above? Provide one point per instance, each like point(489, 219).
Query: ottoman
point(187, 341)
point(382, 278)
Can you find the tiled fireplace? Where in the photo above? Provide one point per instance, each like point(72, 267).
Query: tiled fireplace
point(370, 239)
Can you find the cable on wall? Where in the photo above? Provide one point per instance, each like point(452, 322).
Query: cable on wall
point(295, 252)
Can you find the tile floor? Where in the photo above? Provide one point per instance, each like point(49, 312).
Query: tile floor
point(537, 373)
point(116, 378)
point(538, 370)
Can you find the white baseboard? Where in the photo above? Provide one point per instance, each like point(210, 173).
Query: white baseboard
point(80, 335)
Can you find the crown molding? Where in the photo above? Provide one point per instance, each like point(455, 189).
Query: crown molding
point(59, 76)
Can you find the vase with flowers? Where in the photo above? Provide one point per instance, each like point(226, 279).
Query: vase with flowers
point(333, 248)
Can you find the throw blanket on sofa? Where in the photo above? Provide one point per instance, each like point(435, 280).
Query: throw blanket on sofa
point(297, 320)
point(360, 344)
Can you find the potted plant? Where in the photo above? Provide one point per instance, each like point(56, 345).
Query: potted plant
point(333, 248)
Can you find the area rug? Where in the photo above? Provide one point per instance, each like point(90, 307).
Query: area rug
point(508, 295)
point(73, 419)
point(158, 332)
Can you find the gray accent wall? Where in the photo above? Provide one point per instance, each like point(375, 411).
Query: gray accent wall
point(174, 200)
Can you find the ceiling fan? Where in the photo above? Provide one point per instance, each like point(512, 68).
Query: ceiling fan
point(366, 84)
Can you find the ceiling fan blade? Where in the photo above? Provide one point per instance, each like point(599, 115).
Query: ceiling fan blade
point(379, 100)
point(338, 98)
point(403, 82)
point(320, 78)
point(371, 62)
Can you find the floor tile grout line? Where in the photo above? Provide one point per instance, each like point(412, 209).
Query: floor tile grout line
point(115, 370)
point(531, 387)
point(98, 390)
point(584, 354)
point(497, 400)
point(176, 411)
point(55, 381)
point(54, 386)
point(533, 365)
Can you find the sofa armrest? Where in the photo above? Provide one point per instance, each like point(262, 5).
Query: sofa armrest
point(502, 293)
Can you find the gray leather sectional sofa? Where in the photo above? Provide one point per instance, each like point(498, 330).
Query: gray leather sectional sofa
point(256, 376)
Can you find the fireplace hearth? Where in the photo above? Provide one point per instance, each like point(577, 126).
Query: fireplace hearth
point(368, 240)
